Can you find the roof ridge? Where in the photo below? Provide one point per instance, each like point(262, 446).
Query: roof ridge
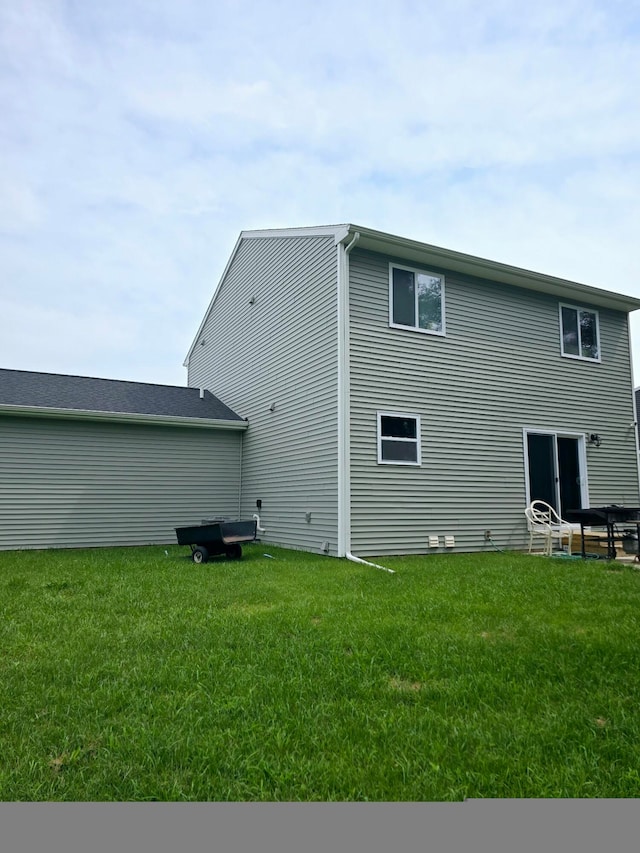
point(95, 378)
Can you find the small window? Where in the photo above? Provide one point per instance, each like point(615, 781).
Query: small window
point(579, 333)
point(416, 300)
point(398, 439)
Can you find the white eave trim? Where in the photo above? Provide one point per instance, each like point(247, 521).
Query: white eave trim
point(426, 254)
point(185, 363)
point(121, 417)
point(338, 232)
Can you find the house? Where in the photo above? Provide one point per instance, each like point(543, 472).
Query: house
point(404, 398)
point(87, 461)
point(365, 394)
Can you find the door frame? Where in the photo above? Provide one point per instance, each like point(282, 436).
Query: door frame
point(582, 460)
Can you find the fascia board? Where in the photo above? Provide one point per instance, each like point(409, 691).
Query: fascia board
point(447, 259)
point(121, 417)
point(185, 363)
point(338, 232)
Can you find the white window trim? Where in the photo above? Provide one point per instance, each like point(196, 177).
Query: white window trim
point(417, 440)
point(417, 328)
point(579, 357)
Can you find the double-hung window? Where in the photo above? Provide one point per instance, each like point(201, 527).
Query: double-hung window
point(398, 438)
point(579, 333)
point(416, 300)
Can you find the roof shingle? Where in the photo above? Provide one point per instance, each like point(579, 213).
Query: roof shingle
point(85, 393)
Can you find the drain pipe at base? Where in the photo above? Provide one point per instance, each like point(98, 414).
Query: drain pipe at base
point(344, 536)
point(355, 559)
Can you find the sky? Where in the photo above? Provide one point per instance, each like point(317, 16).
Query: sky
point(139, 137)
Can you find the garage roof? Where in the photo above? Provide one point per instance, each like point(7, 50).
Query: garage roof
point(58, 395)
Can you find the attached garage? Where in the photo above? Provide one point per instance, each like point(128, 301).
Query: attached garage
point(92, 462)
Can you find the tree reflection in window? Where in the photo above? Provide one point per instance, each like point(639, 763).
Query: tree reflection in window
point(417, 300)
point(580, 336)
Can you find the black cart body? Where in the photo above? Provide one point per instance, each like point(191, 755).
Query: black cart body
point(219, 537)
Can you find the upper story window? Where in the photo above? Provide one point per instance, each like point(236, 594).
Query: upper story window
point(416, 300)
point(398, 438)
point(579, 333)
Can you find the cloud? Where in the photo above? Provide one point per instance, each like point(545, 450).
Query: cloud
point(189, 98)
point(21, 209)
point(141, 137)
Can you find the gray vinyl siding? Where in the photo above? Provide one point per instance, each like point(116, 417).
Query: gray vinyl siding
point(497, 371)
point(281, 351)
point(69, 483)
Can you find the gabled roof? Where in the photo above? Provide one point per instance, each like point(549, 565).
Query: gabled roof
point(25, 392)
point(429, 255)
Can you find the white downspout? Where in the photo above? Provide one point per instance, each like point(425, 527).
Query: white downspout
point(344, 454)
point(240, 478)
point(633, 397)
point(355, 559)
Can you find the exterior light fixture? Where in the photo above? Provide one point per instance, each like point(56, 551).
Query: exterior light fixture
point(595, 439)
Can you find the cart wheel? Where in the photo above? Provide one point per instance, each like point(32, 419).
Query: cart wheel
point(234, 552)
point(200, 555)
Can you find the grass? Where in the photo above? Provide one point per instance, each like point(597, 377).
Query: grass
point(131, 674)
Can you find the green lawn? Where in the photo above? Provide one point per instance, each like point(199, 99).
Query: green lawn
point(132, 674)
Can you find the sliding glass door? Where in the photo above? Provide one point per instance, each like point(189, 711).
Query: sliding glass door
point(556, 470)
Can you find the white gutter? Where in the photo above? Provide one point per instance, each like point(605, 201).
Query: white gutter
point(344, 454)
point(424, 253)
point(121, 417)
